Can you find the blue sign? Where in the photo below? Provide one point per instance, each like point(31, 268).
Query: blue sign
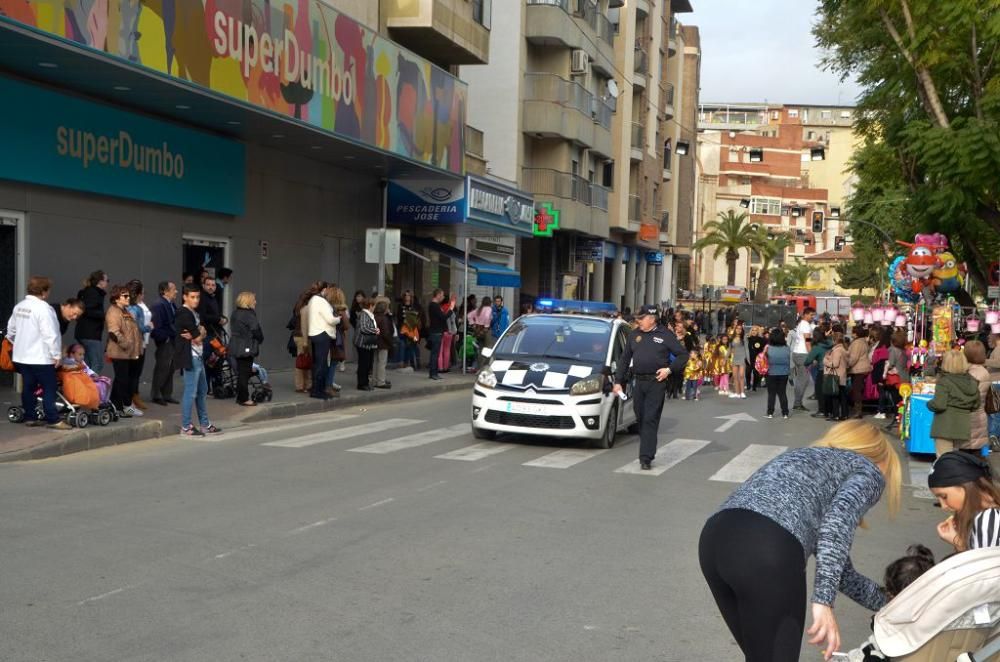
point(58, 140)
point(499, 207)
point(654, 257)
point(426, 202)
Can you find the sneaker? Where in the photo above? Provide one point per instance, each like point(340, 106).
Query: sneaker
point(879, 416)
point(133, 411)
point(61, 425)
point(743, 395)
point(191, 431)
point(335, 386)
point(785, 416)
point(770, 415)
point(211, 429)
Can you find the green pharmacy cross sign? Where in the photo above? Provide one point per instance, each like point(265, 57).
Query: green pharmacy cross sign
point(546, 220)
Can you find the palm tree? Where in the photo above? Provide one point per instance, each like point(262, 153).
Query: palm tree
point(728, 235)
point(799, 273)
point(769, 248)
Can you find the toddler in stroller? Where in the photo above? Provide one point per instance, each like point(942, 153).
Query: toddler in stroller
point(82, 397)
point(948, 611)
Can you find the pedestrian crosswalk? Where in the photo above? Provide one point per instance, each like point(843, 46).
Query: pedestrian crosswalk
point(409, 435)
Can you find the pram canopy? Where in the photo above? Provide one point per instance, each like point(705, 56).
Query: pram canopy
point(960, 593)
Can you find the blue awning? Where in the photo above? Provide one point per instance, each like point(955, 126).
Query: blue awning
point(488, 274)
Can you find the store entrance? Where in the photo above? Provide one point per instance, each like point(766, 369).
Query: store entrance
point(11, 225)
point(211, 253)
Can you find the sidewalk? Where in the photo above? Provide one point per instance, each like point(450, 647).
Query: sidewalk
point(19, 443)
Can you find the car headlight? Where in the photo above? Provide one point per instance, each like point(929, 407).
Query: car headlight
point(588, 386)
point(487, 378)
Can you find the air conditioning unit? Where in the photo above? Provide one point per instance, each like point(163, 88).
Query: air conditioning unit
point(580, 63)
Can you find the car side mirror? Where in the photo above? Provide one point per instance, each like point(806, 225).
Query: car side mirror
point(486, 352)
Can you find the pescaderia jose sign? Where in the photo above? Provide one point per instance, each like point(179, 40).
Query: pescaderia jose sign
point(301, 58)
point(58, 140)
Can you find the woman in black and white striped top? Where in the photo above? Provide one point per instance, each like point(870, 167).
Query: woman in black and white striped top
point(963, 484)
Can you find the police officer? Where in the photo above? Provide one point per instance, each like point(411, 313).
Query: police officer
point(648, 350)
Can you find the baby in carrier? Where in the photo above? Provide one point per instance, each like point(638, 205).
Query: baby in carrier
point(74, 361)
point(898, 575)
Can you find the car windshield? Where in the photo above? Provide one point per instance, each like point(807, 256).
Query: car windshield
point(581, 339)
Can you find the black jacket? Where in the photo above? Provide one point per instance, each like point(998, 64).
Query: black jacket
point(185, 321)
point(437, 319)
point(245, 334)
point(90, 326)
point(211, 314)
point(648, 351)
point(63, 322)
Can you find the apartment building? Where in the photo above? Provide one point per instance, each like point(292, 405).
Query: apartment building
point(585, 135)
point(779, 163)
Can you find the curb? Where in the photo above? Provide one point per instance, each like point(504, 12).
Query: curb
point(100, 437)
point(85, 440)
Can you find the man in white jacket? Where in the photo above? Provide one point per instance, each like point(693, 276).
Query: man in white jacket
point(33, 329)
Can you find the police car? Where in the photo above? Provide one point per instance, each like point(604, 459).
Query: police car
point(552, 375)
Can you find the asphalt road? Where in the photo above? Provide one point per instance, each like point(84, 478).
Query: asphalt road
point(391, 534)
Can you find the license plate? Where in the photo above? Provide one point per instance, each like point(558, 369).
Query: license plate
point(524, 408)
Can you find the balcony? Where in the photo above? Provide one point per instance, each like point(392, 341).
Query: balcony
point(447, 32)
point(672, 37)
point(634, 209)
point(667, 100)
point(641, 62)
point(638, 141)
point(556, 107)
point(583, 205)
point(577, 24)
point(475, 162)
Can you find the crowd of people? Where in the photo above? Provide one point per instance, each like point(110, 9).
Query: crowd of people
point(115, 325)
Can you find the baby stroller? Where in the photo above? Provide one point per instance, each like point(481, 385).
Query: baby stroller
point(951, 613)
point(79, 416)
point(260, 389)
point(219, 368)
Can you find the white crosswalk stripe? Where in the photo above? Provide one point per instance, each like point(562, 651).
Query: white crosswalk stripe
point(743, 465)
point(413, 440)
point(565, 458)
point(667, 456)
point(476, 451)
point(339, 434)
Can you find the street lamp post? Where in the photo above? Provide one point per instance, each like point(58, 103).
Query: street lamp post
point(888, 240)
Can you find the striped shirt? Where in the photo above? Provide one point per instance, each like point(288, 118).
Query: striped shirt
point(985, 529)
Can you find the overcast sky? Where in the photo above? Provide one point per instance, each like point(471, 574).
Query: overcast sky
point(763, 50)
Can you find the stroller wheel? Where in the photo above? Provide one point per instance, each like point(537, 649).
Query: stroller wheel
point(103, 417)
point(268, 395)
point(82, 420)
point(15, 415)
point(219, 393)
point(229, 392)
point(258, 396)
point(71, 418)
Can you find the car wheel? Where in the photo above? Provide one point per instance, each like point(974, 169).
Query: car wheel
point(487, 435)
point(607, 440)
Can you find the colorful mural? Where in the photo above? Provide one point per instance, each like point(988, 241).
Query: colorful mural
point(298, 57)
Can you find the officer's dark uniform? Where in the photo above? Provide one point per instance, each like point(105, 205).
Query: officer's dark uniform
point(648, 351)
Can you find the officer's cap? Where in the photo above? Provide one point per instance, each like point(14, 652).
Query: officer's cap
point(647, 309)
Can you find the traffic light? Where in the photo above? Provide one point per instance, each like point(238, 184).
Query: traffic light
point(817, 219)
point(838, 244)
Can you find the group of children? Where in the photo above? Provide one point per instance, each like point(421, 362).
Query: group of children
point(709, 365)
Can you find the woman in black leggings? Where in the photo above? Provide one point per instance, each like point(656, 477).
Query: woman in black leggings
point(806, 502)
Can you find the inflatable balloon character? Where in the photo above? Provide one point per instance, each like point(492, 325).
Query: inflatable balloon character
point(937, 242)
point(919, 264)
point(901, 281)
point(947, 277)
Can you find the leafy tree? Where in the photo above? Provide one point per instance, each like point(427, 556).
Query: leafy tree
point(769, 248)
point(727, 236)
point(792, 274)
point(930, 101)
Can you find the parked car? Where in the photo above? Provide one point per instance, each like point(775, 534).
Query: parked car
point(551, 376)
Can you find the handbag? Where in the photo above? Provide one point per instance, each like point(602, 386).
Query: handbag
point(761, 364)
point(992, 400)
point(893, 379)
point(303, 362)
point(6, 355)
point(831, 385)
point(291, 347)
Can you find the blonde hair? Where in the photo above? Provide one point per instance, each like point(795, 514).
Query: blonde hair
point(954, 361)
point(246, 300)
point(335, 297)
point(866, 440)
